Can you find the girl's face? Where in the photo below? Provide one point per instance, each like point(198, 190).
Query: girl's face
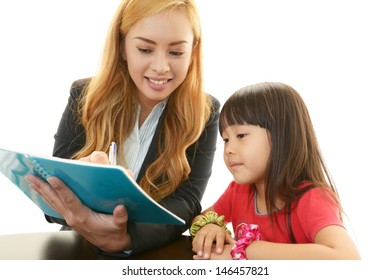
point(246, 152)
point(158, 52)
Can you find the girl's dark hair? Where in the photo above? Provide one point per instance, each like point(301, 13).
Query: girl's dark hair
point(295, 155)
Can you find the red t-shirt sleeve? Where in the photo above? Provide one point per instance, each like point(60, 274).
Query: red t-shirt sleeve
point(317, 209)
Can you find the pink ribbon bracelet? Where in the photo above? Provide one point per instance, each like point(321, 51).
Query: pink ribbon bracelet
point(249, 233)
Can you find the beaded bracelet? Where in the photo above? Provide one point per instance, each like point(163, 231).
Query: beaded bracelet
point(249, 233)
point(209, 217)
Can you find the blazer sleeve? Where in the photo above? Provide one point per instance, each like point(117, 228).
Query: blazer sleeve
point(185, 202)
point(70, 135)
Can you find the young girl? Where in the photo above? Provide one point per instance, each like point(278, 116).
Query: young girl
point(147, 97)
point(282, 202)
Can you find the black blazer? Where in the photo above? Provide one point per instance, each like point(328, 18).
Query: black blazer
point(184, 202)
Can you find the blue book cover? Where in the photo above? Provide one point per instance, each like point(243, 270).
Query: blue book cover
point(100, 187)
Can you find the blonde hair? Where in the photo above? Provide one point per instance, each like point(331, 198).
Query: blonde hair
point(108, 108)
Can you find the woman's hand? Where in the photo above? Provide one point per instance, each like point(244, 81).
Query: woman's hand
point(107, 232)
point(203, 243)
point(101, 158)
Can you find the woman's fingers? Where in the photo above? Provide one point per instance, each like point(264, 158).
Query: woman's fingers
point(96, 157)
point(46, 191)
point(120, 216)
point(58, 196)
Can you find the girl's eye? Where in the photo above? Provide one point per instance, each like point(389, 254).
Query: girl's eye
point(241, 135)
point(146, 51)
point(225, 140)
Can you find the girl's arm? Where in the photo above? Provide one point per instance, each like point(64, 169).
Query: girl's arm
point(331, 242)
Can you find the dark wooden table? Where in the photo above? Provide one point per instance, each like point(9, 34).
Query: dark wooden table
point(69, 245)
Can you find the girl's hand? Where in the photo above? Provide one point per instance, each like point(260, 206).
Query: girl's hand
point(203, 241)
point(225, 255)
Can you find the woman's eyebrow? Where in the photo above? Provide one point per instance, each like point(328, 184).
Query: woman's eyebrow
point(154, 43)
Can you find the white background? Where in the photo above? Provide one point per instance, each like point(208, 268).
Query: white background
point(335, 53)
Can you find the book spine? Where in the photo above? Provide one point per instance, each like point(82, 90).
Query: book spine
point(38, 168)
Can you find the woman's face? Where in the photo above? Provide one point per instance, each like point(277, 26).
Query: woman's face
point(158, 52)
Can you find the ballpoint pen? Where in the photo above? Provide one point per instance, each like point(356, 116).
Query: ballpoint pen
point(112, 153)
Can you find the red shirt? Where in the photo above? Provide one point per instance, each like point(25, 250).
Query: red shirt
point(312, 212)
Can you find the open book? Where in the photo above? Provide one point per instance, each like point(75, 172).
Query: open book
point(100, 187)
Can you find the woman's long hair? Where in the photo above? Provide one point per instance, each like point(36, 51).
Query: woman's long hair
point(109, 106)
point(295, 154)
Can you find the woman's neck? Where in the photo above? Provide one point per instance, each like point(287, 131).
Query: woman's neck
point(143, 115)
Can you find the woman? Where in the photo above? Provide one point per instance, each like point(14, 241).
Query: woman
point(148, 97)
